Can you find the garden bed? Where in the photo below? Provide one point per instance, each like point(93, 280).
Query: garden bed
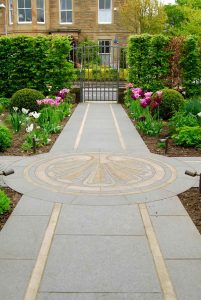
point(15, 197)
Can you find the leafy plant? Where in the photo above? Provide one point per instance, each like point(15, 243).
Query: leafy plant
point(5, 202)
point(5, 138)
point(26, 98)
point(41, 138)
point(150, 126)
point(188, 136)
point(193, 106)
point(172, 101)
point(16, 119)
point(5, 102)
point(49, 119)
point(182, 119)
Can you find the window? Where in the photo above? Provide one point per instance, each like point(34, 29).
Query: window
point(40, 11)
point(105, 12)
point(24, 11)
point(104, 47)
point(10, 6)
point(66, 11)
point(104, 51)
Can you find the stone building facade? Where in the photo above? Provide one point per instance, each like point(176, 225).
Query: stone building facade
point(94, 19)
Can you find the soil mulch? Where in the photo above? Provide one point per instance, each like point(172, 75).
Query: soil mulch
point(191, 200)
point(15, 197)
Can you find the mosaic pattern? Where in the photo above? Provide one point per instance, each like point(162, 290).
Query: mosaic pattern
point(100, 173)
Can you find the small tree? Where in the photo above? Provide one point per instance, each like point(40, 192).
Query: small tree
point(143, 16)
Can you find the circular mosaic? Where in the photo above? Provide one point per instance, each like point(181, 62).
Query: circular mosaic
point(100, 173)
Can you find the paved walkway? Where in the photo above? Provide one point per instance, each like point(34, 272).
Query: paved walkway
point(100, 218)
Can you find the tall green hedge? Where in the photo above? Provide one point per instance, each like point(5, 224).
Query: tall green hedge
point(190, 63)
point(149, 59)
point(34, 62)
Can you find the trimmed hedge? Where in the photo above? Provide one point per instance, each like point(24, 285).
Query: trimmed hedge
point(26, 98)
point(34, 62)
point(155, 62)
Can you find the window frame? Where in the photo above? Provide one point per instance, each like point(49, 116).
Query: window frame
point(10, 11)
point(103, 10)
point(104, 46)
point(38, 22)
point(66, 10)
point(23, 22)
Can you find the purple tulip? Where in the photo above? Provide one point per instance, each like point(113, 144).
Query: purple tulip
point(143, 103)
point(148, 94)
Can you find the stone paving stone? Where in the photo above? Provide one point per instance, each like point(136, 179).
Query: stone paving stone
point(177, 237)
point(113, 220)
point(167, 207)
point(100, 200)
point(21, 237)
point(186, 276)
point(128, 130)
point(100, 296)
point(48, 195)
point(30, 206)
point(100, 264)
point(149, 196)
point(14, 277)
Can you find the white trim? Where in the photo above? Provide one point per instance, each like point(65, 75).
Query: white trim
point(61, 23)
point(103, 10)
point(44, 13)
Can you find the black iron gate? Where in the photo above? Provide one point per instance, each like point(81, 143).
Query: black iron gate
point(100, 69)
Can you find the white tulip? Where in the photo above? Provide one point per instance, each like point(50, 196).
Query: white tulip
point(25, 111)
point(30, 128)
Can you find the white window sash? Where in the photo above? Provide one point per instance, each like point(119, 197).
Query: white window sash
point(23, 8)
point(41, 9)
point(65, 10)
point(105, 15)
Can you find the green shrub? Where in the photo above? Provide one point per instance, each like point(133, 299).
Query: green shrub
point(5, 138)
point(188, 136)
point(5, 102)
point(193, 106)
point(1, 108)
point(182, 119)
point(26, 98)
point(4, 202)
point(172, 101)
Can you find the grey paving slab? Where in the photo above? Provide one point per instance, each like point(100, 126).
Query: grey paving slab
point(186, 275)
point(167, 207)
point(177, 237)
point(22, 236)
point(131, 136)
point(68, 136)
point(100, 296)
point(95, 200)
point(14, 277)
point(100, 220)
point(100, 264)
point(30, 206)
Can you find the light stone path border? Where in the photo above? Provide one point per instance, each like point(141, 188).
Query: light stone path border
point(120, 232)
